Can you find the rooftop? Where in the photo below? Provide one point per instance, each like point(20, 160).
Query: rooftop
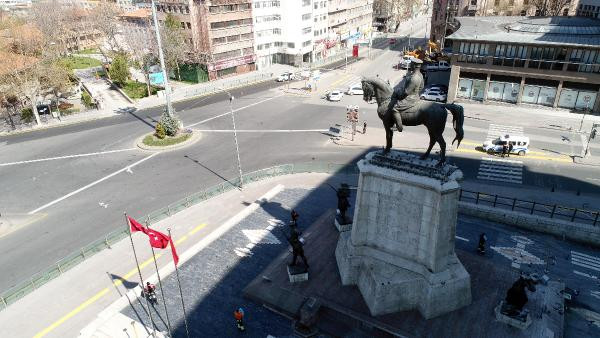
point(141, 13)
point(563, 31)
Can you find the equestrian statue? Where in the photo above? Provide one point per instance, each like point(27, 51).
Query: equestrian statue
point(403, 107)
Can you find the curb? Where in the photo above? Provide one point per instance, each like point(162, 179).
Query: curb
point(196, 136)
point(61, 124)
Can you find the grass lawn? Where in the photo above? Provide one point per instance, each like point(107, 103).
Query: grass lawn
point(80, 62)
point(137, 90)
point(154, 141)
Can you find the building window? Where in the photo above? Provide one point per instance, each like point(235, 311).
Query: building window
point(278, 44)
point(473, 52)
point(233, 38)
point(217, 41)
point(306, 16)
point(213, 9)
point(510, 55)
point(291, 45)
point(305, 3)
point(306, 30)
point(523, 13)
point(243, 7)
point(496, 2)
point(189, 25)
point(276, 31)
point(246, 36)
point(306, 43)
point(248, 51)
point(227, 55)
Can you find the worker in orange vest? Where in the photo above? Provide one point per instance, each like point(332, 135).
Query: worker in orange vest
point(239, 318)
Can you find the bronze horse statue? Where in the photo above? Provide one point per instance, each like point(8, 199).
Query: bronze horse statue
point(431, 114)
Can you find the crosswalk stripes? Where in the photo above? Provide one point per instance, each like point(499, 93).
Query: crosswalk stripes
point(494, 169)
point(497, 130)
point(586, 261)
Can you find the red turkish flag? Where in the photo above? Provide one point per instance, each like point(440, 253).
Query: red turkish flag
point(160, 241)
point(135, 226)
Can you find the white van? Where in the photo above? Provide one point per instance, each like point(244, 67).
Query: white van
point(520, 144)
point(355, 89)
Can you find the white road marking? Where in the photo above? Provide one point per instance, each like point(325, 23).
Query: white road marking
point(263, 131)
point(90, 185)
point(461, 238)
point(584, 274)
point(275, 222)
point(261, 236)
point(235, 110)
point(67, 156)
point(586, 261)
point(501, 170)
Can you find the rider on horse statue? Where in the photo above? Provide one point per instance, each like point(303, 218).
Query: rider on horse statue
point(406, 99)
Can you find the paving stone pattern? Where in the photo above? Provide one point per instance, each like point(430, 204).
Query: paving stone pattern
point(212, 281)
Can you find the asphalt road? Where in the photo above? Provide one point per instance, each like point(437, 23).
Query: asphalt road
point(81, 199)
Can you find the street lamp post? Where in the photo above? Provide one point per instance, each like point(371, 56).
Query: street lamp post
point(162, 63)
point(237, 148)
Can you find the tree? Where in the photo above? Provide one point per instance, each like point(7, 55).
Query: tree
point(174, 46)
point(119, 69)
point(550, 7)
point(103, 19)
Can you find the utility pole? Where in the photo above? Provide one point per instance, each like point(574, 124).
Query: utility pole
point(445, 26)
point(237, 148)
point(162, 63)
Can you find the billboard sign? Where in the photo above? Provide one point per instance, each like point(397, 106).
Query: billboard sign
point(156, 79)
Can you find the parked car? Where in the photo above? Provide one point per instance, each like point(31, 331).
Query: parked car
point(440, 87)
point(434, 95)
point(355, 89)
point(335, 95)
point(520, 144)
point(287, 76)
point(435, 66)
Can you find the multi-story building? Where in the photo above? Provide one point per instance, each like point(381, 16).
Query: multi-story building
point(444, 12)
point(268, 31)
point(548, 61)
point(220, 31)
point(350, 20)
point(589, 8)
point(383, 15)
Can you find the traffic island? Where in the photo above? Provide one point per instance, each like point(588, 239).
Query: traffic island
point(183, 138)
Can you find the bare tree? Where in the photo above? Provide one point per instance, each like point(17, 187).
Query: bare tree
point(175, 48)
point(402, 10)
point(550, 7)
point(103, 19)
point(141, 44)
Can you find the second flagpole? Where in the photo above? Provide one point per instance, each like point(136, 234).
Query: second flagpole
point(162, 292)
point(187, 332)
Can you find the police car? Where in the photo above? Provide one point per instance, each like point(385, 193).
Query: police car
point(520, 144)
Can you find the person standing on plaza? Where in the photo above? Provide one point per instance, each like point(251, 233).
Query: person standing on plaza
point(239, 318)
point(510, 148)
point(364, 127)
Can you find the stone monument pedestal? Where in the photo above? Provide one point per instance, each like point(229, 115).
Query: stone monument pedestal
point(520, 324)
point(297, 273)
point(400, 251)
point(342, 226)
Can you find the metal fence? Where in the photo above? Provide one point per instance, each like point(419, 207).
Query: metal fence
point(19, 291)
point(531, 207)
point(210, 87)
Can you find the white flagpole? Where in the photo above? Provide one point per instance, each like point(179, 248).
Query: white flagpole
point(162, 292)
point(140, 274)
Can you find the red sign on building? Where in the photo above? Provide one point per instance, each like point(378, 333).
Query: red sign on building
point(355, 51)
point(232, 62)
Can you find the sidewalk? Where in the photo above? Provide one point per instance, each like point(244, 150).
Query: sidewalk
point(84, 296)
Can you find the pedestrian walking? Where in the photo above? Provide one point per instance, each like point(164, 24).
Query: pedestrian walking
point(504, 149)
point(364, 127)
point(510, 148)
point(295, 216)
point(239, 318)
